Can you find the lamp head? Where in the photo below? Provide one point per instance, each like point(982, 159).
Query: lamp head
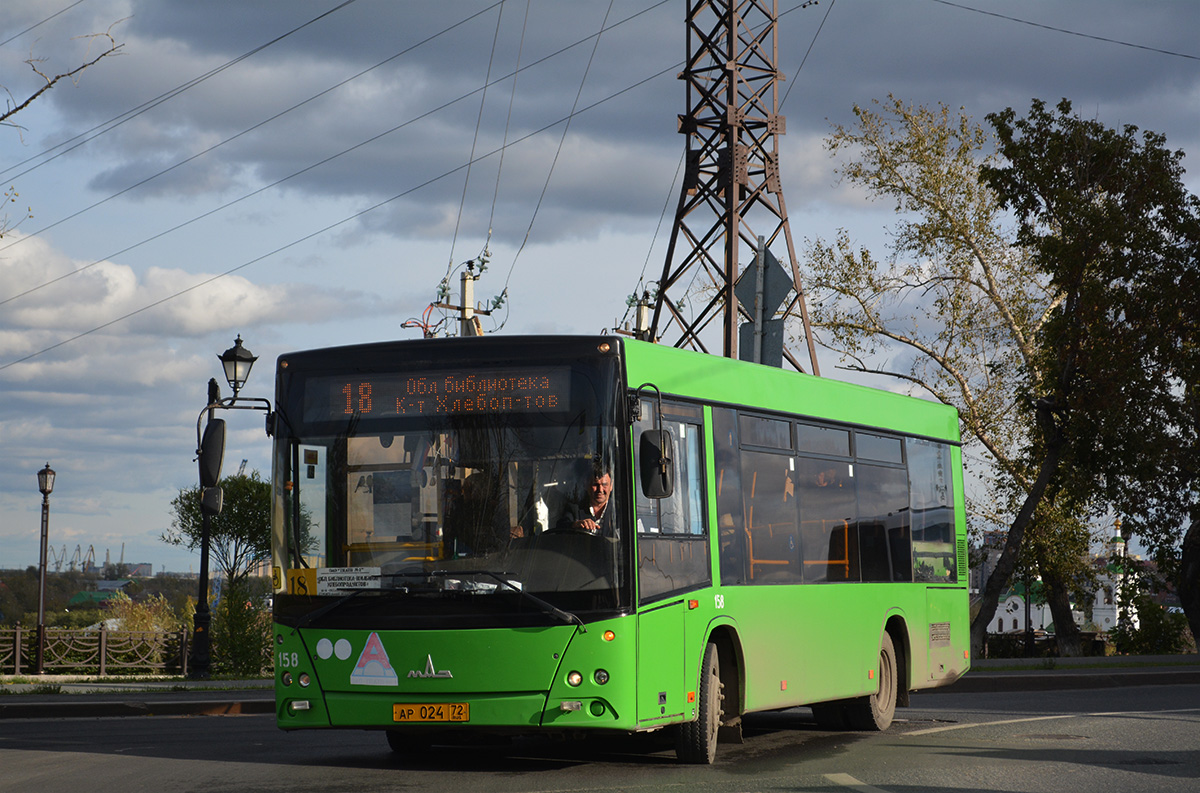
point(46, 480)
point(237, 361)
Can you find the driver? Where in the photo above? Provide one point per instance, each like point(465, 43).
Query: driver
point(593, 514)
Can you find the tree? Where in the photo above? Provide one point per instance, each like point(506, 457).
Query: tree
point(1068, 344)
point(956, 312)
point(239, 537)
point(1104, 213)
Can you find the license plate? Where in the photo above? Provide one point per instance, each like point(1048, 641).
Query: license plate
point(434, 711)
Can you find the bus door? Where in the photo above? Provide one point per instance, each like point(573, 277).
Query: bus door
point(673, 561)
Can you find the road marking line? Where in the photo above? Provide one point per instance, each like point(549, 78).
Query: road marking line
point(845, 780)
point(932, 730)
point(948, 728)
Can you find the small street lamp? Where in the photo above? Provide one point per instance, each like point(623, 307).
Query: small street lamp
point(45, 479)
point(237, 362)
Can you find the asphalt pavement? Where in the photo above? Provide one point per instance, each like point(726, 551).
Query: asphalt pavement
point(61, 696)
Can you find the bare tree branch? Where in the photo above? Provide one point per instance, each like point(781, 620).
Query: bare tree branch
point(15, 107)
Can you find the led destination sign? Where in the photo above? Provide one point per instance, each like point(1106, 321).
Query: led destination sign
point(440, 393)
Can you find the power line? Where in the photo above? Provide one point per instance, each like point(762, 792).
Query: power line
point(237, 135)
point(1065, 31)
point(562, 139)
point(129, 115)
point(344, 220)
point(478, 124)
point(39, 24)
point(303, 170)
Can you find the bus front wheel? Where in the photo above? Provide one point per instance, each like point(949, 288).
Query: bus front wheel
point(696, 741)
point(875, 712)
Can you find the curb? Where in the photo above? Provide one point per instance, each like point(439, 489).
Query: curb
point(108, 708)
point(1067, 680)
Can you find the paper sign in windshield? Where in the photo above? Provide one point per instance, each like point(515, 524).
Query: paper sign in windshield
point(338, 580)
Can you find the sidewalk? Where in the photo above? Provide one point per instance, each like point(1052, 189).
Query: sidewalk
point(90, 697)
point(1047, 674)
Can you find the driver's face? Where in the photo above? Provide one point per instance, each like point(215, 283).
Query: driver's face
point(601, 489)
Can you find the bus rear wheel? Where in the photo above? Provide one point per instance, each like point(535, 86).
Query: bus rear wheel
point(696, 741)
point(874, 713)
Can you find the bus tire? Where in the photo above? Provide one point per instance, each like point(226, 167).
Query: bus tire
point(874, 713)
point(696, 741)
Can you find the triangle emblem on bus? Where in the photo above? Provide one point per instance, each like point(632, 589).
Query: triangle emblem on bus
point(373, 667)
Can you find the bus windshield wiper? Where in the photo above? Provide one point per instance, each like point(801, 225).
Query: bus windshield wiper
point(308, 618)
point(545, 606)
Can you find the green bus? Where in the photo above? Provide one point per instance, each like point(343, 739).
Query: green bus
point(513, 535)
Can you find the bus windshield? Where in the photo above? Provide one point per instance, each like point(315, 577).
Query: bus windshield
point(433, 492)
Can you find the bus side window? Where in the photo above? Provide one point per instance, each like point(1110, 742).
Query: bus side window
point(771, 532)
point(732, 537)
point(883, 533)
point(932, 504)
point(828, 513)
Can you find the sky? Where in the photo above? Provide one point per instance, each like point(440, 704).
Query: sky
point(304, 174)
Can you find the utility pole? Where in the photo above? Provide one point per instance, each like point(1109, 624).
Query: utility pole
point(468, 312)
point(731, 176)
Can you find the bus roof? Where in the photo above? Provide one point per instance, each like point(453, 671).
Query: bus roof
point(717, 379)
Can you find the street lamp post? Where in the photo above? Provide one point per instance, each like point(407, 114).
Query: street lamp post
point(236, 362)
point(45, 485)
point(201, 661)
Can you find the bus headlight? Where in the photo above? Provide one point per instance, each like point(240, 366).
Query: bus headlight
point(286, 677)
point(574, 679)
point(304, 680)
point(600, 676)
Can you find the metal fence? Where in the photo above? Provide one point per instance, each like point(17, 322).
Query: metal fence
point(92, 651)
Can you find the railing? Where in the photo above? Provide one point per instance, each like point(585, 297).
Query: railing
point(88, 651)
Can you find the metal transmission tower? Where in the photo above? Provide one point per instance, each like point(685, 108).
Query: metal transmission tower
point(731, 178)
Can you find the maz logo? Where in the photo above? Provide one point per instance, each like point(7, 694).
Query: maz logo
point(429, 670)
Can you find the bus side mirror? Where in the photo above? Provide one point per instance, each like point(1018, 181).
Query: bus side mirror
point(212, 453)
point(211, 501)
point(657, 457)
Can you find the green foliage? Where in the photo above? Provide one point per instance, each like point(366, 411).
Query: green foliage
point(240, 537)
point(76, 618)
point(151, 614)
point(1106, 215)
point(1068, 347)
point(241, 629)
point(1159, 632)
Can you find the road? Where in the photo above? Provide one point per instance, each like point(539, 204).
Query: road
point(1144, 738)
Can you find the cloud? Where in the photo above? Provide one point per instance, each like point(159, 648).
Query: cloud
point(161, 302)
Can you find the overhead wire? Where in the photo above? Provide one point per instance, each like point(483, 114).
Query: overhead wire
point(575, 111)
point(243, 132)
point(118, 120)
point(483, 255)
point(1067, 31)
point(654, 238)
point(508, 118)
point(562, 139)
point(39, 24)
point(343, 221)
point(475, 140)
point(277, 182)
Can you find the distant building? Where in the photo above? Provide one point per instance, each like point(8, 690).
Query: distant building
point(1105, 607)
